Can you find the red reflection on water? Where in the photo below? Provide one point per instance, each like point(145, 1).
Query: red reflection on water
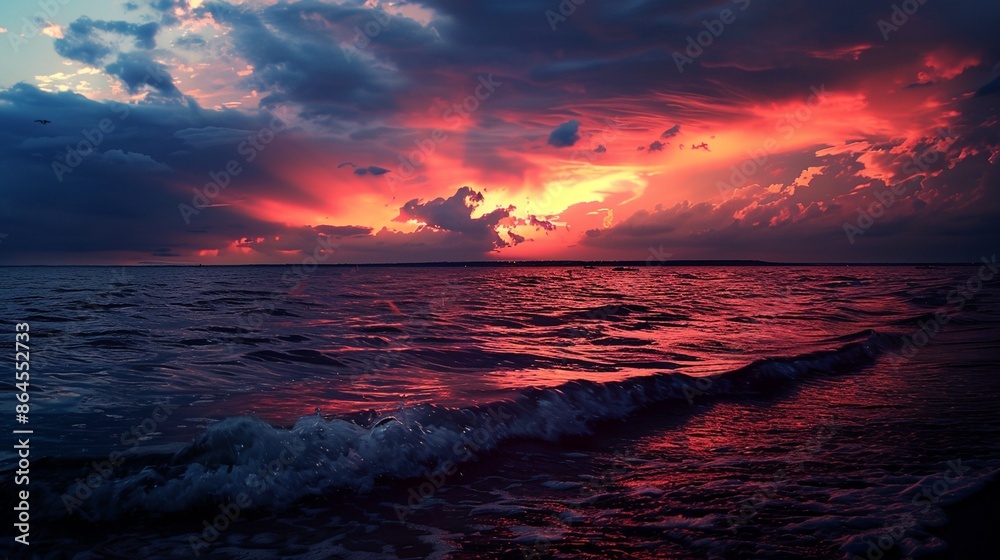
point(457, 337)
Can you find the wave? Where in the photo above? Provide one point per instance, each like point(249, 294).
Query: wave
point(245, 458)
point(294, 356)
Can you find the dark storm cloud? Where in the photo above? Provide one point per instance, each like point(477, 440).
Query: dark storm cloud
point(82, 41)
point(376, 170)
point(167, 9)
point(362, 171)
point(565, 135)
point(311, 53)
point(770, 51)
point(931, 217)
point(706, 231)
point(343, 231)
point(120, 189)
point(167, 5)
point(82, 47)
point(138, 70)
point(424, 245)
point(539, 223)
point(372, 169)
point(347, 63)
point(454, 214)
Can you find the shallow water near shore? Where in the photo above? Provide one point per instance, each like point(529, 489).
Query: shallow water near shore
point(687, 412)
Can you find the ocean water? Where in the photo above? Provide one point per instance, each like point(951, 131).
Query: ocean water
point(504, 412)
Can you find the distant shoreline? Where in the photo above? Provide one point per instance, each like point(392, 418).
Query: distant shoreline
point(508, 264)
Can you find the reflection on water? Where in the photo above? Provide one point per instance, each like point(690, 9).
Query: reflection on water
point(779, 459)
point(350, 339)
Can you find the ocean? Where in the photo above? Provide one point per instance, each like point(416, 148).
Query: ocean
point(499, 412)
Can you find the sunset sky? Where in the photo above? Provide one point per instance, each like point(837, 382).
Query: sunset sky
point(187, 131)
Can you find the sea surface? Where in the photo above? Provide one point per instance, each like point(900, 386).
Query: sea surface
point(501, 412)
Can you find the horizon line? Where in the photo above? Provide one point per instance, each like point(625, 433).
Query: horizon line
point(515, 263)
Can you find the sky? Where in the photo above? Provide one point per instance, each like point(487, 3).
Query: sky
point(308, 131)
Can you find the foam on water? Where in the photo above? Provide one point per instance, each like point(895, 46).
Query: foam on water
point(275, 466)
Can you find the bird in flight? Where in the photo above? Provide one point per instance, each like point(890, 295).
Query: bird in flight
point(42, 121)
